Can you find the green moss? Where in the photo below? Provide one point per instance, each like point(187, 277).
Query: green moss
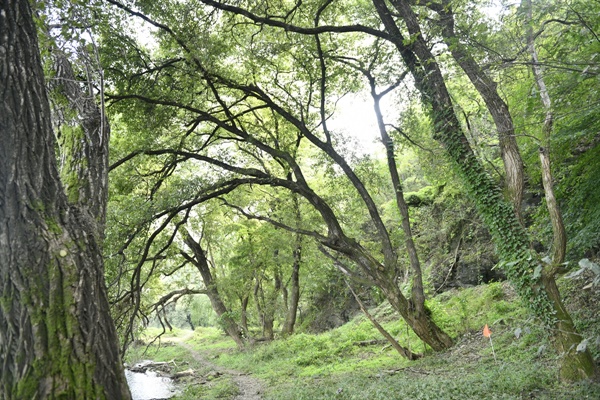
point(72, 139)
point(424, 196)
point(56, 324)
point(38, 206)
point(53, 226)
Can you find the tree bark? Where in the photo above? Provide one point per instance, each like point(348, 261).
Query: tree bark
point(201, 263)
point(265, 309)
point(576, 364)
point(294, 297)
point(558, 226)
point(84, 147)
point(290, 319)
point(417, 293)
point(497, 107)
point(57, 340)
point(244, 306)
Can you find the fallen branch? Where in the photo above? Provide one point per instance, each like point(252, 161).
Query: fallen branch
point(178, 375)
point(370, 342)
point(403, 351)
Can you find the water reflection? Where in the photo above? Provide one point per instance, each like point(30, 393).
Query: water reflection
point(149, 385)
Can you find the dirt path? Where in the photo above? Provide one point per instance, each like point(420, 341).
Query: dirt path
point(250, 388)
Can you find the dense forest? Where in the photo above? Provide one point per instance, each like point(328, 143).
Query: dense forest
point(276, 168)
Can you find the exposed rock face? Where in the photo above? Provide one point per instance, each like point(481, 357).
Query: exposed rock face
point(465, 274)
point(333, 306)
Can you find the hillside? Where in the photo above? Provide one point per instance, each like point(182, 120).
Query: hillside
point(352, 361)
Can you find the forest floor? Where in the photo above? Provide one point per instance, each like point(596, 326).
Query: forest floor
point(249, 388)
point(352, 362)
point(202, 377)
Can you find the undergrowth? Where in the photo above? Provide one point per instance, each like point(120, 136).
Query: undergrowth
point(339, 365)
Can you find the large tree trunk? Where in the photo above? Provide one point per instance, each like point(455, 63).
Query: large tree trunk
point(487, 88)
point(201, 263)
point(523, 268)
point(57, 339)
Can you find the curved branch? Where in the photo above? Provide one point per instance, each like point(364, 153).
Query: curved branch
point(293, 28)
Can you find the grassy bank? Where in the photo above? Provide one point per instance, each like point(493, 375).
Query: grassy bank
point(338, 365)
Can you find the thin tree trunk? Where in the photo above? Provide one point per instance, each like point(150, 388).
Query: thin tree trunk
point(201, 263)
point(417, 294)
point(244, 318)
point(290, 319)
point(267, 309)
point(294, 298)
point(558, 227)
point(403, 351)
point(57, 340)
point(576, 364)
point(188, 319)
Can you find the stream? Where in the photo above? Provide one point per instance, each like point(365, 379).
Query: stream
point(149, 385)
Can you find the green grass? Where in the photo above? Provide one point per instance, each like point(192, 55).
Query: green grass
point(332, 366)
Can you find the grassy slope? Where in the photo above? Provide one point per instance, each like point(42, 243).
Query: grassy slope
point(331, 365)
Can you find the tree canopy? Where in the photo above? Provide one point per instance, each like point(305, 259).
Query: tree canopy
point(234, 176)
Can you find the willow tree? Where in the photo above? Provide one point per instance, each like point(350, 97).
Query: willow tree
point(57, 338)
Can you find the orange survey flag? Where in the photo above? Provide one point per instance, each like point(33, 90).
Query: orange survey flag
point(486, 331)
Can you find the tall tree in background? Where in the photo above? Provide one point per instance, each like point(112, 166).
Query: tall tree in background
point(57, 339)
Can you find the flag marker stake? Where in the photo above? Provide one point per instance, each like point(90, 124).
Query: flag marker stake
point(493, 352)
point(488, 333)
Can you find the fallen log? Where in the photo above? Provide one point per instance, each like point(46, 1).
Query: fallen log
point(178, 375)
point(153, 365)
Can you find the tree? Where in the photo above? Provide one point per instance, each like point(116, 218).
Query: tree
point(267, 128)
point(264, 87)
point(199, 260)
point(57, 340)
point(533, 280)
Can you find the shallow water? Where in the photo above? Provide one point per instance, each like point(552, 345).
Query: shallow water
point(149, 385)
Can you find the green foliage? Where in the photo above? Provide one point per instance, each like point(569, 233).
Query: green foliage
point(219, 100)
point(461, 311)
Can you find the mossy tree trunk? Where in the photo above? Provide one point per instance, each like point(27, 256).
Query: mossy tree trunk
point(497, 107)
point(57, 338)
point(83, 143)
